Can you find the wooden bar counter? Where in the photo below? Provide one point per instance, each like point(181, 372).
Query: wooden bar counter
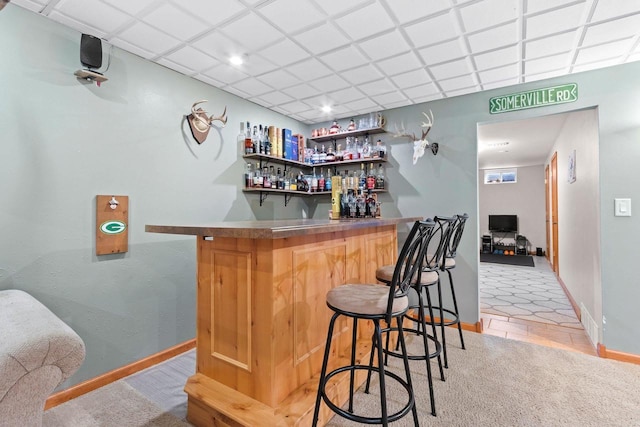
point(262, 319)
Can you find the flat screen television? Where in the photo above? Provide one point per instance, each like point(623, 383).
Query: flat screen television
point(503, 223)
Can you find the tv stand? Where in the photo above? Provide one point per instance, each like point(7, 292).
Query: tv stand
point(500, 248)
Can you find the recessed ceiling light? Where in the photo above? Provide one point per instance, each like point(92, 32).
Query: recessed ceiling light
point(236, 60)
point(326, 109)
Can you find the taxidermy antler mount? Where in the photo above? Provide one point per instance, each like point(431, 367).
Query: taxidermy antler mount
point(419, 145)
point(200, 122)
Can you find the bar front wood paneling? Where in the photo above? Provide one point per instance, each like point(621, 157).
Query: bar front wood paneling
point(262, 318)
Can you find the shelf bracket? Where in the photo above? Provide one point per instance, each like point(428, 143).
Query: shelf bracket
point(287, 197)
point(263, 197)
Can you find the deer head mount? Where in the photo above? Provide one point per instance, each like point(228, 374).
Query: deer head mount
point(419, 145)
point(200, 122)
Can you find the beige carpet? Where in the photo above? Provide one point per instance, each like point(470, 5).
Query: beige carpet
point(495, 382)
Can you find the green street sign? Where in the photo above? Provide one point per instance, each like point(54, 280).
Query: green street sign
point(113, 227)
point(534, 98)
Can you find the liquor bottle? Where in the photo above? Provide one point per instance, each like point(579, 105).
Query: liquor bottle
point(327, 181)
point(366, 148)
point(255, 143)
point(293, 182)
point(339, 153)
point(359, 147)
point(380, 178)
point(241, 139)
point(248, 176)
point(321, 181)
point(280, 180)
point(331, 156)
point(362, 179)
point(370, 209)
point(248, 144)
point(274, 179)
point(287, 181)
point(371, 178)
point(314, 182)
point(257, 176)
point(260, 140)
point(381, 149)
point(266, 178)
point(346, 155)
point(315, 157)
point(267, 142)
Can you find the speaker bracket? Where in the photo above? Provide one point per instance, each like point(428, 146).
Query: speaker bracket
point(91, 76)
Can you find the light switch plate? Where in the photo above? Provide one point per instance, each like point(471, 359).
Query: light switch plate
point(622, 207)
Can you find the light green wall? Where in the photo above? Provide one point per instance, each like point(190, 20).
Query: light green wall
point(63, 142)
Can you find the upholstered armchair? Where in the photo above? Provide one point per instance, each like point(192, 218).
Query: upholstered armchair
point(38, 351)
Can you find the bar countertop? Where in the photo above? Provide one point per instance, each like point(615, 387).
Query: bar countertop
point(276, 229)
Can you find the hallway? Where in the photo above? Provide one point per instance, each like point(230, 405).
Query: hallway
point(509, 308)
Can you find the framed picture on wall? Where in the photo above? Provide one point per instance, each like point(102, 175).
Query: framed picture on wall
point(572, 166)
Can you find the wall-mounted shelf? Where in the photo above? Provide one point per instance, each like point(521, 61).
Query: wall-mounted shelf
point(342, 135)
point(91, 76)
point(264, 192)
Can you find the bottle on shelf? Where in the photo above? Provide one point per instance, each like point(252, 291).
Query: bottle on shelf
point(260, 140)
point(359, 148)
point(293, 182)
point(315, 157)
point(279, 180)
point(339, 156)
point(321, 181)
point(327, 181)
point(248, 144)
point(362, 179)
point(370, 208)
point(274, 178)
point(266, 178)
point(322, 157)
point(380, 149)
point(248, 176)
point(380, 178)
point(346, 155)
point(241, 139)
point(366, 148)
point(257, 176)
point(371, 178)
point(314, 181)
point(255, 143)
point(331, 156)
point(287, 181)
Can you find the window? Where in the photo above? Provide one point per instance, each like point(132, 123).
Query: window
point(500, 176)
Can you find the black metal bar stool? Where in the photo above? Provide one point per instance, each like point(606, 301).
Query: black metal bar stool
point(448, 264)
point(433, 253)
point(376, 303)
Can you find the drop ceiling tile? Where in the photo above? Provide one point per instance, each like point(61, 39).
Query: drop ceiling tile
point(376, 88)
point(364, 104)
point(504, 83)
point(544, 76)
point(412, 78)
point(301, 91)
point(218, 46)
point(337, 7)
point(209, 80)
point(256, 65)
point(346, 95)
point(275, 98)
point(310, 69)
point(421, 91)
point(493, 12)
point(532, 6)
point(389, 98)
point(399, 64)
point(33, 6)
point(451, 69)
point(390, 105)
point(433, 30)
point(427, 98)
point(549, 45)
point(411, 10)
point(225, 73)
point(504, 35)
point(459, 92)
point(329, 83)
point(611, 50)
point(457, 83)
point(236, 92)
point(209, 11)
point(78, 26)
point(318, 102)
point(130, 7)
point(543, 65)
point(443, 52)
point(148, 38)
point(176, 67)
point(251, 31)
point(555, 21)
point(253, 87)
point(611, 9)
point(285, 52)
point(496, 58)
point(124, 45)
point(174, 22)
point(279, 79)
point(362, 74)
point(366, 21)
point(385, 45)
point(292, 15)
point(498, 74)
point(342, 59)
point(192, 59)
point(93, 13)
point(321, 39)
point(295, 107)
point(618, 29)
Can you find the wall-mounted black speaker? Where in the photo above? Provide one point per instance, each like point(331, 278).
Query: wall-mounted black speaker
point(90, 51)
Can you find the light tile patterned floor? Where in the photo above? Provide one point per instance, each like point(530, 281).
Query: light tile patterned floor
point(525, 293)
point(528, 304)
